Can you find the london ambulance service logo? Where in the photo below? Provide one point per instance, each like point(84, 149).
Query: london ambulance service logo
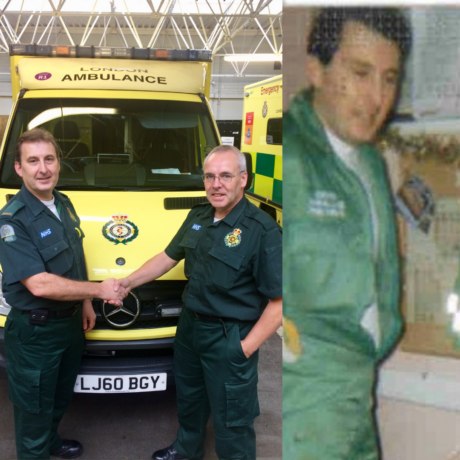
point(120, 229)
point(233, 239)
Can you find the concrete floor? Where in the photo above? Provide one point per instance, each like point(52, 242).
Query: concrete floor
point(131, 427)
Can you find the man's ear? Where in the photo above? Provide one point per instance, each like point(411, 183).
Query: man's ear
point(314, 71)
point(244, 179)
point(18, 168)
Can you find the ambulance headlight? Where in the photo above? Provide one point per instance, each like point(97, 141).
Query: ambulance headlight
point(4, 307)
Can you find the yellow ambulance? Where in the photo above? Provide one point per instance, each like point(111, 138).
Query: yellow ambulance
point(262, 137)
point(134, 126)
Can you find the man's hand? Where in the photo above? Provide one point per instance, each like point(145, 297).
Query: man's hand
point(112, 295)
point(245, 351)
point(120, 283)
point(124, 282)
point(88, 315)
point(267, 324)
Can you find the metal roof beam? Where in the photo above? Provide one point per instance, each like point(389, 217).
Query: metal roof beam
point(265, 35)
point(132, 26)
point(83, 39)
point(105, 31)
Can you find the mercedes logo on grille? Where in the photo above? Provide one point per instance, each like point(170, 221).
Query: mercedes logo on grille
point(123, 316)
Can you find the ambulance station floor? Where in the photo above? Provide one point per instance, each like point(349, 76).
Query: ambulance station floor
point(132, 426)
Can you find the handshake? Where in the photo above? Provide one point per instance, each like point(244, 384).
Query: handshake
point(114, 291)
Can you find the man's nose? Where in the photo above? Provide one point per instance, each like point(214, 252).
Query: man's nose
point(379, 93)
point(42, 166)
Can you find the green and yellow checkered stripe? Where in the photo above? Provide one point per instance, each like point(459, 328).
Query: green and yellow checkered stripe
point(267, 176)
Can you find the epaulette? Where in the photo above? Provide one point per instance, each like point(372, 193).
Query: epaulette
point(261, 216)
point(61, 194)
point(11, 208)
point(204, 203)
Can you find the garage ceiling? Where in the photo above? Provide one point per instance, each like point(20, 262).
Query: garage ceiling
point(180, 24)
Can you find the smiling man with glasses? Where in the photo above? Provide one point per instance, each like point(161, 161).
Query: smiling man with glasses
point(233, 304)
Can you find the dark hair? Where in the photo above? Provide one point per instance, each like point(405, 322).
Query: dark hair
point(325, 35)
point(34, 136)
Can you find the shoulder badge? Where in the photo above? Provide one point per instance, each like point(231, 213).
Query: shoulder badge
point(292, 346)
point(233, 238)
point(7, 234)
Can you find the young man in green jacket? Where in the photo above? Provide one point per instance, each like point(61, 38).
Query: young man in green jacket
point(340, 265)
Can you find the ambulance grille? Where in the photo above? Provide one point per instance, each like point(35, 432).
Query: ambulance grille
point(183, 203)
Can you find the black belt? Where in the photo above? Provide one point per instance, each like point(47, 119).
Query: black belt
point(222, 320)
point(52, 314)
point(214, 319)
point(218, 319)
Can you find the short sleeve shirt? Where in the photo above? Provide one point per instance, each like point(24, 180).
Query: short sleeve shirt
point(233, 265)
point(33, 241)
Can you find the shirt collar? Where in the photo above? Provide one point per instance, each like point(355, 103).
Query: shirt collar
point(340, 147)
point(33, 203)
point(231, 218)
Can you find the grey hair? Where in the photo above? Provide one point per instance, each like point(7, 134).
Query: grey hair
point(228, 148)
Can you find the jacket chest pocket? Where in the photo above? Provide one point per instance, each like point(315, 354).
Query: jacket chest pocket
point(189, 243)
point(225, 266)
point(327, 270)
point(46, 232)
point(58, 257)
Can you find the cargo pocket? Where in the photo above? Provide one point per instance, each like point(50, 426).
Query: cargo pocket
point(226, 265)
point(242, 402)
point(57, 257)
point(24, 387)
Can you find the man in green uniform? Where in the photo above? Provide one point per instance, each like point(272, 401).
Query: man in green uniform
point(341, 271)
point(44, 280)
point(233, 304)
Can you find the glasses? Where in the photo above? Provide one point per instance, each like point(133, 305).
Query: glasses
point(223, 178)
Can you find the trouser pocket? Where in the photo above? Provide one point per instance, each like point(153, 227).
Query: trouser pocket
point(242, 402)
point(24, 387)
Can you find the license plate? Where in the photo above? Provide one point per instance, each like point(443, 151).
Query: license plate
point(120, 383)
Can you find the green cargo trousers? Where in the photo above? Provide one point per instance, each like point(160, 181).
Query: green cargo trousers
point(43, 363)
point(328, 404)
point(214, 376)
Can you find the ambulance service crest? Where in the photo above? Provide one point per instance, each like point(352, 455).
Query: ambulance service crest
point(265, 109)
point(233, 239)
point(120, 229)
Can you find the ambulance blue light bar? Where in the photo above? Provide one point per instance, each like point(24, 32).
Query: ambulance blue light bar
point(110, 53)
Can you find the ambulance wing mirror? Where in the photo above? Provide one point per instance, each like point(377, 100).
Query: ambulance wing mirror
point(249, 169)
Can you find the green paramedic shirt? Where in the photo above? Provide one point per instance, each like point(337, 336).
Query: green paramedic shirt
point(34, 240)
point(331, 272)
point(233, 265)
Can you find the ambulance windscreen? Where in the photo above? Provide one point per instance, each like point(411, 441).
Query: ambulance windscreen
point(118, 144)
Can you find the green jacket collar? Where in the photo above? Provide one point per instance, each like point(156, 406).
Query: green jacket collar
point(302, 111)
point(233, 215)
point(34, 204)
